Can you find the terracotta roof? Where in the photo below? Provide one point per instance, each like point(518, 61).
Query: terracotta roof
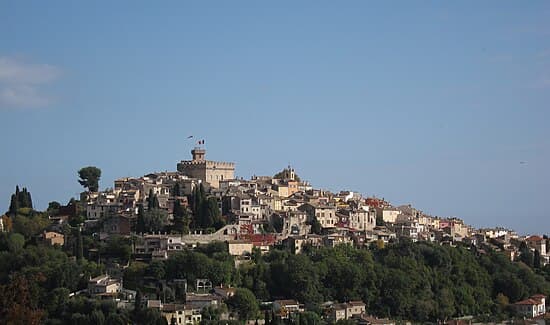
point(173, 307)
point(287, 302)
point(534, 238)
point(357, 303)
point(527, 302)
point(340, 306)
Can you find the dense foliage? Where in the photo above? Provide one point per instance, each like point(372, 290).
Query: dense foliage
point(405, 280)
point(418, 281)
point(20, 200)
point(205, 210)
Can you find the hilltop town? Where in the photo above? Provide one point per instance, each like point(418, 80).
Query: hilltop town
point(279, 210)
point(145, 224)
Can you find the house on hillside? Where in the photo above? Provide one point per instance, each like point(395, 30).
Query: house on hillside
point(346, 310)
point(285, 308)
point(53, 238)
point(104, 285)
point(532, 307)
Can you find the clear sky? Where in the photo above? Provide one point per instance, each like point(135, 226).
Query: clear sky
point(432, 103)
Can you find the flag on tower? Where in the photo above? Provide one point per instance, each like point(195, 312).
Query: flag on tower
point(189, 137)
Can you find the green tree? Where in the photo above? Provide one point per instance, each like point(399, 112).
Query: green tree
point(19, 200)
point(30, 226)
point(53, 207)
point(14, 203)
point(278, 223)
point(138, 301)
point(177, 190)
point(79, 249)
point(315, 226)
point(536, 259)
point(152, 201)
point(89, 178)
point(181, 219)
point(133, 274)
point(211, 214)
point(118, 247)
point(16, 242)
point(156, 270)
point(140, 223)
point(155, 220)
point(244, 303)
point(525, 254)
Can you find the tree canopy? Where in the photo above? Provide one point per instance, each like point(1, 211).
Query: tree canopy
point(89, 178)
point(20, 200)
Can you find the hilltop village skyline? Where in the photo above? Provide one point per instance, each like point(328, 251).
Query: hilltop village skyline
point(183, 246)
point(213, 172)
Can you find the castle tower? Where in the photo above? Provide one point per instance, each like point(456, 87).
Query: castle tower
point(208, 171)
point(198, 154)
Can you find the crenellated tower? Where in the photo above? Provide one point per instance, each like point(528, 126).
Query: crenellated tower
point(208, 171)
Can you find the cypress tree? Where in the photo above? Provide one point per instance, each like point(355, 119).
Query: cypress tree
point(14, 205)
point(137, 303)
point(150, 199)
point(177, 189)
point(156, 203)
point(20, 199)
point(178, 216)
point(28, 199)
point(525, 254)
point(536, 259)
point(79, 246)
point(214, 218)
point(267, 317)
point(197, 208)
point(140, 224)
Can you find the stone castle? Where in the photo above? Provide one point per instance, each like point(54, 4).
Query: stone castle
point(208, 171)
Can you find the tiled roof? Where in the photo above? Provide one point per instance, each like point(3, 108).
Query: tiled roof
point(527, 302)
point(287, 302)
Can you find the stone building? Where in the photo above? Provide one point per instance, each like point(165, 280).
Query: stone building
point(208, 171)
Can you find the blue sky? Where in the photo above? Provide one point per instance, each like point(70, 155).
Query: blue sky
point(429, 103)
